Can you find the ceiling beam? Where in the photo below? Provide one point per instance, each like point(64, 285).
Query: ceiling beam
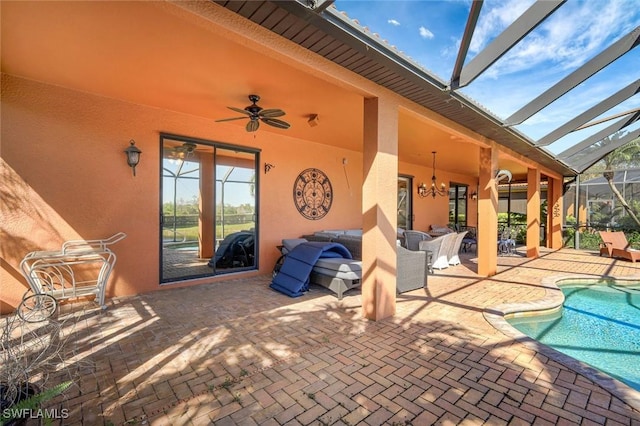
point(596, 156)
point(515, 32)
point(597, 137)
point(590, 114)
point(611, 117)
point(595, 64)
point(469, 29)
point(319, 6)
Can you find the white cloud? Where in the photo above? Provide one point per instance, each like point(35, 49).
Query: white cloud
point(425, 33)
point(494, 21)
point(568, 39)
point(393, 22)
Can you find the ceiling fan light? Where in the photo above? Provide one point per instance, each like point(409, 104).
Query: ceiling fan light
point(253, 125)
point(255, 113)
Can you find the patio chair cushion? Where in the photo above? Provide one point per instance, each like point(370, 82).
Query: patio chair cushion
point(293, 277)
point(289, 243)
point(339, 268)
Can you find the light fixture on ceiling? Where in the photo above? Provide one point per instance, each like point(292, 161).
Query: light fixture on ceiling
point(313, 120)
point(257, 114)
point(133, 155)
point(425, 191)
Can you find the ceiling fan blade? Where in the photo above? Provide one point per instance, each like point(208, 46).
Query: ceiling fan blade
point(231, 119)
point(241, 111)
point(271, 113)
point(276, 123)
point(253, 125)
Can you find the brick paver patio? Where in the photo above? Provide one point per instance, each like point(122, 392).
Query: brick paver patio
point(237, 352)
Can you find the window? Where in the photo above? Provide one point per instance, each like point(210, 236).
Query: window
point(458, 205)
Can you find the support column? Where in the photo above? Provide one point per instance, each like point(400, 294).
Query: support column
point(576, 213)
point(533, 213)
point(488, 213)
point(554, 213)
point(379, 198)
point(207, 219)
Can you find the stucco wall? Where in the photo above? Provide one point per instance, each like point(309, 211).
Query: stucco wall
point(64, 176)
point(429, 211)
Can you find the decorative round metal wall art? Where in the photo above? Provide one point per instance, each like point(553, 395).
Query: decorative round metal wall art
point(312, 194)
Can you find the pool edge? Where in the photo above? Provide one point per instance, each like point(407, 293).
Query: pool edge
point(553, 300)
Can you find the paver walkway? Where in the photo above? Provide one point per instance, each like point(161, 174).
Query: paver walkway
point(237, 352)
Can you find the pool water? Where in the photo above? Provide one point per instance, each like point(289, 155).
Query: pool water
point(599, 325)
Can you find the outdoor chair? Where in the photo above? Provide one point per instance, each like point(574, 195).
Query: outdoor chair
point(433, 247)
point(454, 253)
point(412, 239)
point(615, 244)
point(412, 269)
point(469, 240)
point(506, 244)
point(440, 258)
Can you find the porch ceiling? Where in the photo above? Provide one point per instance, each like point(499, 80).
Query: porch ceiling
point(153, 53)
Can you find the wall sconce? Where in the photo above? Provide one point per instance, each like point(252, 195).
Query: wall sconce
point(473, 196)
point(133, 155)
point(268, 167)
point(313, 120)
point(424, 191)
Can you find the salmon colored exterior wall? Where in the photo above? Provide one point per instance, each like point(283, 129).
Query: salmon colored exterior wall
point(65, 176)
point(68, 113)
point(429, 211)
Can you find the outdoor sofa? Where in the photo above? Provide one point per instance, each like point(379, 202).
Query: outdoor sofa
point(411, 266)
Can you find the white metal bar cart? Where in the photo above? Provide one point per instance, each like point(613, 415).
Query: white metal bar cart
point(80, 268)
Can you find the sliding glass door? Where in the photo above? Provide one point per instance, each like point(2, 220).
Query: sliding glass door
point(209, 212)
point(405, 202)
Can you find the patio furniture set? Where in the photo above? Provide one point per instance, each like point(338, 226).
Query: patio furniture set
point(418, 254)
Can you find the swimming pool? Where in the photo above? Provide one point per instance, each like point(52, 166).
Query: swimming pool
point(599, 325)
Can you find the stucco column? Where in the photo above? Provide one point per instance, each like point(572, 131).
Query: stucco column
point(488, 213)
point(533, 213)
point(207, 219)
point(554, 214)
point(379, 198)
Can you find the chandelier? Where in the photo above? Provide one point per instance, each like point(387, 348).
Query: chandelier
point(425, 191)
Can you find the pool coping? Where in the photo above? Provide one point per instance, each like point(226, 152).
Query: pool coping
point(550, 302)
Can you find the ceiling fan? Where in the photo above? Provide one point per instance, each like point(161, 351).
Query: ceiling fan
point(255, 114)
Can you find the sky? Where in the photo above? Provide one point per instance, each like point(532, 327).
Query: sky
point(430, 31)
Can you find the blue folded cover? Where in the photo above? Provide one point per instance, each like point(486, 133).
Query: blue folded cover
point(293, 277)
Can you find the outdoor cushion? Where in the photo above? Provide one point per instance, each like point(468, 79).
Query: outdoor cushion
point(339, 267)
point(289, 243)
point(340, 264)
point(293, 277)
